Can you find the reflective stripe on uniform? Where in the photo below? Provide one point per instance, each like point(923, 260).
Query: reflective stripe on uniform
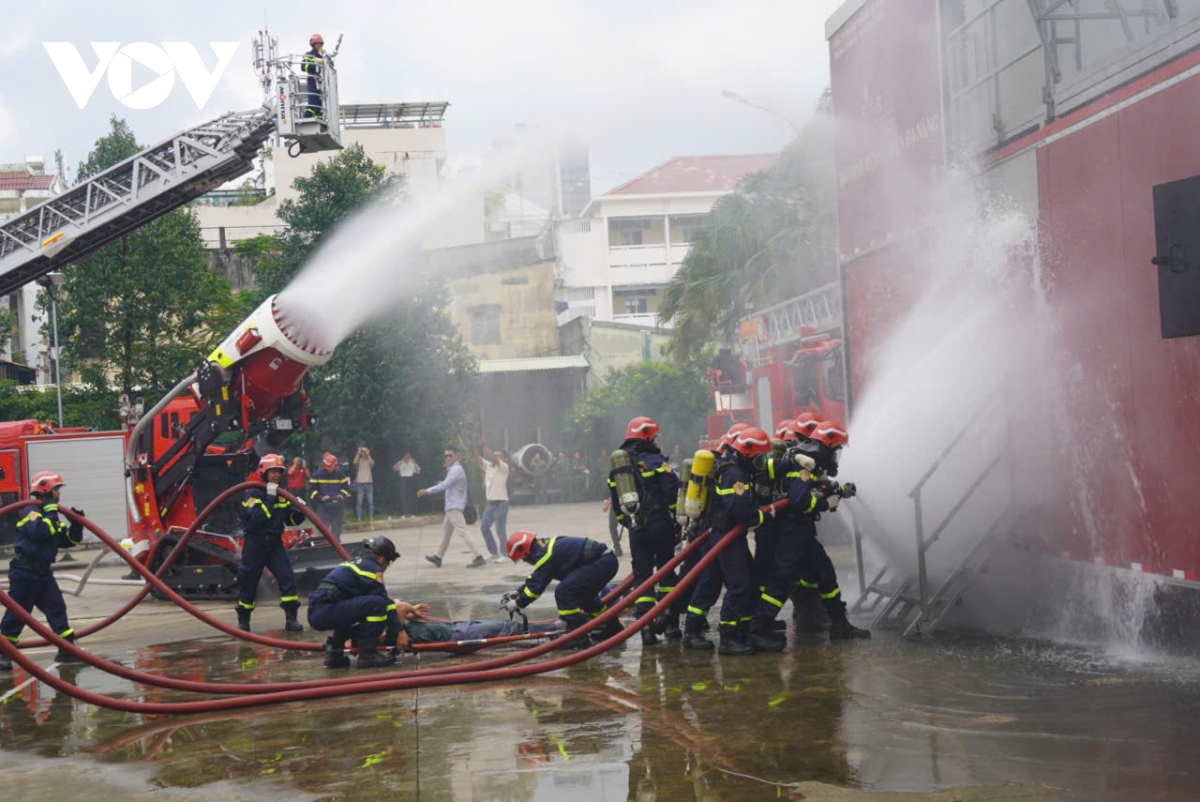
point(772, 600)
point(360, 571)
point(530, 593)
point(286, 599)
point(564, 613)
point(546, 556)
point(375, 619)
point(66, 633)
point(696, 611)
point(250, 502)
point(391, 608)
point(11, 639)
point(246, 605)
point(601, 611)
point(648, 599)
point(833, 594)
point(804, 583)
point(723, 491)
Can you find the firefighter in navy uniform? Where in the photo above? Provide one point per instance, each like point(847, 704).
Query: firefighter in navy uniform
point(40, 534)
point(734, 504)
point(653, 531)
point(313, 65)
point(795, 527)
point(583, 567)
point(329, 492)
point(264, 517)
point(817, 572)
point(352, 601)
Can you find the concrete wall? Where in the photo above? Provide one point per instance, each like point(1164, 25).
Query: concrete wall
point(525, 300)
point(610, 346)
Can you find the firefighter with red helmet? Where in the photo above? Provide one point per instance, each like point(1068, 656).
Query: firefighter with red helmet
point(652, 529)
point(264, 517)
point(817, 582)
point(31, 583)
point(313, 65)
point(735, 504)
point(582, 566)
point(39, 536)
point(330, 490)
point(352, 601)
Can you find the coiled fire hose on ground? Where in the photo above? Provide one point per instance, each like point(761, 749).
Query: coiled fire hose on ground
point(496, 669)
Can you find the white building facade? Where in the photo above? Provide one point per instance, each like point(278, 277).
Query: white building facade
point(615, 260)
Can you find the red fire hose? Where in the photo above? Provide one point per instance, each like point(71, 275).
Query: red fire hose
point(154, 578)
point(416, 679)
point(260, 688)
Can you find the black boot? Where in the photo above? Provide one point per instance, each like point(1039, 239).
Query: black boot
point(808, 614)
point(734, 640)
point(763, 637)
point(840, 627)
point(672, 629)
point(648, 636)
point(64, 656)
point(605, 632)
point(705, 626)
point(335, 655)
point(369, 655)
point(243, 618)
point(581, 642)
point(290, 623)
point(693, 637)
point(778, 624)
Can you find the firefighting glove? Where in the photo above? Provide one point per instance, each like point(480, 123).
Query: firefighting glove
point(272, 489)
point(849, 490)
point(833, 502)
point(805, 462)
point(509, 603)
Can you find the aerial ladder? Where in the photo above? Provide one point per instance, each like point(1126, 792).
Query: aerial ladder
point(168, 174)
point(252, 385)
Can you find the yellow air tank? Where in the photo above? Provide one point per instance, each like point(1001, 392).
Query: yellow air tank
point(627, 494)
point(685, 473)
point(698, 482)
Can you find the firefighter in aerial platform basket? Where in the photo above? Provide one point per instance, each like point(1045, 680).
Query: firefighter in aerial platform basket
point(264, 517)
point(352, 601)
point(643, 491)
point(583, 567)
point(313, 65)
point(733, 503)
point(817, 586)
point(40, 534)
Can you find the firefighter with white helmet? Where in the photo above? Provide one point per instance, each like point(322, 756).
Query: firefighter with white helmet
point(582, 566)
point(264, 517)
point(31, 583)
point(643, 491)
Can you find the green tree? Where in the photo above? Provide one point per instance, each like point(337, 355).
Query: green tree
point(674, 394)
point(773, 238)
point(400, 383)
point(145, 309)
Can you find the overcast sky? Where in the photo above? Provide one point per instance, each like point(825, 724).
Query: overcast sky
point(639, 80)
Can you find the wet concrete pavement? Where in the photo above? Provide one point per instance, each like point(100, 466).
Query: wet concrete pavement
point(965, 718)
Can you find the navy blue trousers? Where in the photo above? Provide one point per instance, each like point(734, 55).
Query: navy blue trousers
point(360, 617)
point(791, 546)
point(259, 553)
point(650, 548)
point(33, 588)
point(578, 593)
point(816, 569)
point(733, 569)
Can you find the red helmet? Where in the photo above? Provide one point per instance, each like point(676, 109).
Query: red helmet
point(727, 438)
point(831, 434)
point(268, 462)
point(519, 544)
point(642, 428)
point(43, 483)
point(805, 424)
point(329, 462)
point(751, 441)
point(785, 429)
point(315, 39)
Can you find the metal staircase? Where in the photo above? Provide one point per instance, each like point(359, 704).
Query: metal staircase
point(167, 175)
point(900, 599)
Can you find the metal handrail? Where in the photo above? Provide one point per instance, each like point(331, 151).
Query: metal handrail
point(958, 437)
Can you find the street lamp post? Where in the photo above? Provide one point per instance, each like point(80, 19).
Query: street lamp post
point(745, 101)
point(52, 281)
